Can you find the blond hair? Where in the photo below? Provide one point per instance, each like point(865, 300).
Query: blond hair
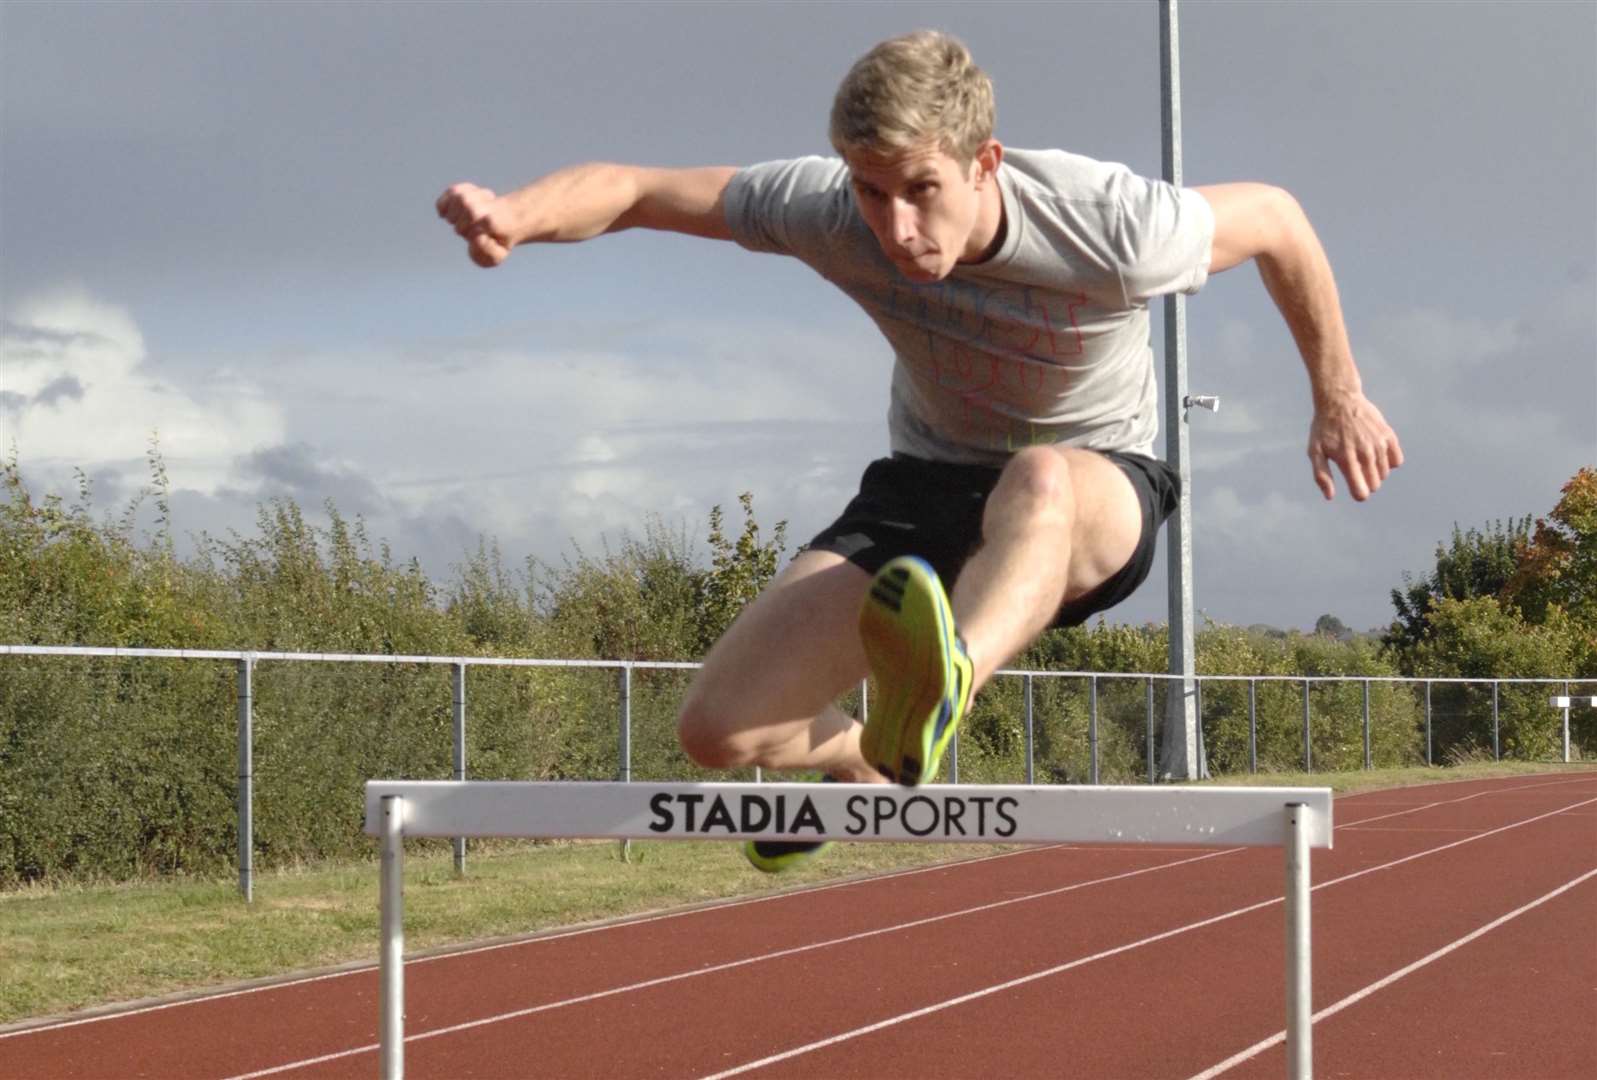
point(910, 90)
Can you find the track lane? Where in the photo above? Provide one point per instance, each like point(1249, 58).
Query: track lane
point(1172, 1010)
point(342, 1007)
point(762, 1003)
point(324, 1017)
point(1512, 985)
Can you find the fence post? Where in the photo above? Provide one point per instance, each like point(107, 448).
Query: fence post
point(1497, 754)
point(1253, 725)
point(1031, 772)
point(1197, 724)
point(1308, 747)
point(624, 765)
point(246, 779)
point(458, 703)
point(1151, 777)
point(1092, 729)
point(1427, 721)
point(1367, 764)
point(864, 700)
point(953, 759)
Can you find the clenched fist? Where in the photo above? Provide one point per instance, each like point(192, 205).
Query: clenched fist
point(482, 219)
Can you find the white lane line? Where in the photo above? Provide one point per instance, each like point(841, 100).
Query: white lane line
point(975, 994)
point(626, 922)
point(1450, 802)
point(619, 924)
point(1011, 984)
point(1374, 795)
point(1279, 1037)
point(1454, 844)
point(744, 962)
point(1413, 829)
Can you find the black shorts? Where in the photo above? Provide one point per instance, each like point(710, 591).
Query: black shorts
point(907, 506)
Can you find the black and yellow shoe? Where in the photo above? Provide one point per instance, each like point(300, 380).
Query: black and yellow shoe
point(779, 856)
point(922, 672)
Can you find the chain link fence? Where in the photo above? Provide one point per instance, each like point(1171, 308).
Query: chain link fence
point(121, 762)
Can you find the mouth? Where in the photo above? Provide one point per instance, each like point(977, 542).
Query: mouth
point(924, 265)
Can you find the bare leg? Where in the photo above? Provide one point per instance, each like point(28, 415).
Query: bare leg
point(1060, 522)
point(765, 694)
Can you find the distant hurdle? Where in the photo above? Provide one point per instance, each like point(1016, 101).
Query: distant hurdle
point(1297, 819)
point(1565, 702)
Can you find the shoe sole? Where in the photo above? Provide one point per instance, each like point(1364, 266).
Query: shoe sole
point(904, 597)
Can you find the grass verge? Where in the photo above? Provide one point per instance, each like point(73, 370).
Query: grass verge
point(75, 947)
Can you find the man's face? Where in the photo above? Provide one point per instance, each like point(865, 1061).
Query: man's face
point(922, 206)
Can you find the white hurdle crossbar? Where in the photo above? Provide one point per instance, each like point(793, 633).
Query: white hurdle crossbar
point(1295, 818)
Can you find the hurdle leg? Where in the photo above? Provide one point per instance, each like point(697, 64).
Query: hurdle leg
point(391, 964)
point(1299, 996)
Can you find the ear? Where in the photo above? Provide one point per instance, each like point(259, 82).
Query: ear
point(988, 157)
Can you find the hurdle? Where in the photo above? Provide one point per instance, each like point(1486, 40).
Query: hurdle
point(1297, 819)
point(1565, 702)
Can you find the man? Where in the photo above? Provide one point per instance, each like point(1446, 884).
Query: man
point(1013, 288)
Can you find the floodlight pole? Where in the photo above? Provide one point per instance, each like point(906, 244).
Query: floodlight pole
point(1181, 758)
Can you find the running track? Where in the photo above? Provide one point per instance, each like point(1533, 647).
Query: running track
point(1455, 936)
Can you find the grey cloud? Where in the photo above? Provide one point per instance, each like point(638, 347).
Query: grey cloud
point(36, 339)
point(296, 471)
point(66, 387)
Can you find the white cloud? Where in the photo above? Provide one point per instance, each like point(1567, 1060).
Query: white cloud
point(79, 393)
point(541, 438)
point(663, 412)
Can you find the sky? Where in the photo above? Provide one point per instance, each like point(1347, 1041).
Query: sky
point(217, 231)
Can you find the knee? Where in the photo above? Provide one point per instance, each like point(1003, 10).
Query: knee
point(708, 736)
point(1037, 480)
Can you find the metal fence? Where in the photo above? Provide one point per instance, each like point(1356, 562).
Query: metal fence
point(1068, 726)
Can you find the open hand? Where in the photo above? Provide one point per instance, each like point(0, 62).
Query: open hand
point(482, 219)
point(1349, 430)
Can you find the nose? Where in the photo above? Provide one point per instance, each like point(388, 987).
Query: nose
point(903, 223)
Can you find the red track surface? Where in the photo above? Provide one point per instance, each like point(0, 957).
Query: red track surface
point(1121, 962)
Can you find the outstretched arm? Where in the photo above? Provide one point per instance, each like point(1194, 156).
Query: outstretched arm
point(1265, 224)
point(584, 201)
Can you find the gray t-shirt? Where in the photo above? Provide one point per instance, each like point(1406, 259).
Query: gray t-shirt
point(1046, 342)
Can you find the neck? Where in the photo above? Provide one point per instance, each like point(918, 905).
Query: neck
point(991, 226)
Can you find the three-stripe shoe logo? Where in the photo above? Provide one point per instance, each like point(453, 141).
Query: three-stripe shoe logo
point(888, 588)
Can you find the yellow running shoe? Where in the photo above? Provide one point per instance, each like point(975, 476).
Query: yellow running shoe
point(779, 856)
point(923, 674)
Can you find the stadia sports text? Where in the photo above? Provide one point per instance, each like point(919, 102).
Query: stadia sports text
point(864, 815)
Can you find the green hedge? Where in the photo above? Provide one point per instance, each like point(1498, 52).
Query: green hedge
point(119, 768)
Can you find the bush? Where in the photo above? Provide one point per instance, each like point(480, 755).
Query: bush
point(120, 767)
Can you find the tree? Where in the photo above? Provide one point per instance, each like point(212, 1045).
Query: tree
point(1480, 638)
point(1476, 563)
point(1332, 627)
point(1559, 564)
point(738, 571)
